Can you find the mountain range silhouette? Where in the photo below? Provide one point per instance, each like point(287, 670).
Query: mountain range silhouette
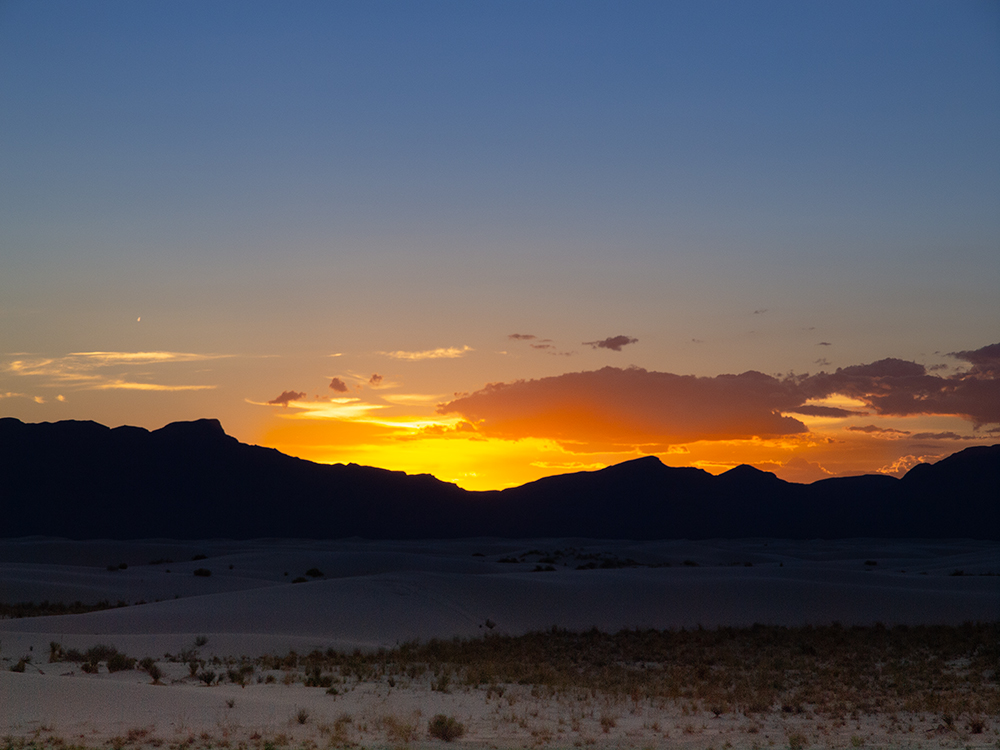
point(82, 480)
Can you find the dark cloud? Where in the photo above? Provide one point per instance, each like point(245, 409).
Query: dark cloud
point(629, 406)
point(338, 386)
point(542, 346)
point(375, 379)
point(895, 387)
point(938, 436)
point(614, 343)
point(822, 411)
point(638, 407)
point(760, 311)
point(286, 398)
point(822, 362)
point(824, 343)
point(985, 362)
point(522, 336)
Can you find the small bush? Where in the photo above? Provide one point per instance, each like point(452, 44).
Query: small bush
point(120, 663)
point(796, 741)
point(302, 716)
point(203, 572)
point(56, 652)
point(149, 666)
point(314, 573)
point(208, 676)
point(21, 664)
point(300, 579)
point(100, 652)
point(445, 728)
point(200, 641)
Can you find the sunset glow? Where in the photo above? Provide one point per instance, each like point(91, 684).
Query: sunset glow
point(499, 241)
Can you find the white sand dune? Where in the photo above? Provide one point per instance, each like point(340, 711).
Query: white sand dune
point(375, 594)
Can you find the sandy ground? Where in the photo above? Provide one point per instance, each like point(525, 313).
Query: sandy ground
point(373, 594)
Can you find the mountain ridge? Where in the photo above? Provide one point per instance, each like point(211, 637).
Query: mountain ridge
point(81, 479)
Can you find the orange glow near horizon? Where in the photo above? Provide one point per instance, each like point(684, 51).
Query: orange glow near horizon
point(452, 450)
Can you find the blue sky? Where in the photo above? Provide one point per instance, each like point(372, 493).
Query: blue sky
point(733, 184)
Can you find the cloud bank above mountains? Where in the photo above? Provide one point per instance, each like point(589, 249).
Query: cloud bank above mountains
point(636, 406)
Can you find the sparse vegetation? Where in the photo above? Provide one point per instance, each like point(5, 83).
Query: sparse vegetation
point(445, 728)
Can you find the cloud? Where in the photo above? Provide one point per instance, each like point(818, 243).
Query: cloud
point(448, 353)
point(88, 369)
point(824, 343)
point(636, 407)
point(144, 357)
point(895, 387)
point(633, 406)
point(522, 336)
point(338, 385)
point(125, 385)
point(938, 436)
point(614, 343)
point(985, 361)
point(811, 410)
point(375, 380)
point(286, 398)
point(870, 429)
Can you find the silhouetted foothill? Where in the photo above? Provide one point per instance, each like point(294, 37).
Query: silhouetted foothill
point(190, 480)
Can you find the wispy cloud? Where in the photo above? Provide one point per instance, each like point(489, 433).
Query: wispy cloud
point(286, 398)
point(89, 370)
point(444, 353)
point(145, 357)
point(129, 386)
point(412, 399)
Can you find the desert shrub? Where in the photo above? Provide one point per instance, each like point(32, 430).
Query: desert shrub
point(240, 675)
point(315, 678)
point(397, 731)
point(100, 652)
point(90, 667)
point(796, 741)
point(203, 572)
point(300, 579)
point(445, 728)
point(149, 666)
point(208, 676)
point(314, 573)
point(196, 558)
point(608, 723)
point(21, 664)
point(120, 663)
point(56, 652)
point(302, 716)
point(200, 641)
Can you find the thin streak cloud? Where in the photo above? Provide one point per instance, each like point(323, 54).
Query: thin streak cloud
point(442, 353)
point(129, 386)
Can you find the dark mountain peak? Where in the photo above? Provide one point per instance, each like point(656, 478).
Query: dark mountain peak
point(196, 429)
point(747, 473)
point(979, 457)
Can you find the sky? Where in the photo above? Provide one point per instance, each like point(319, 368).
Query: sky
point(494, 241)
